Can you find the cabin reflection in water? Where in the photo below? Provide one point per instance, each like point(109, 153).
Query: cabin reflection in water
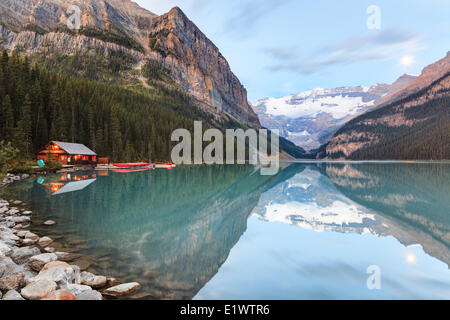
point(67, 182)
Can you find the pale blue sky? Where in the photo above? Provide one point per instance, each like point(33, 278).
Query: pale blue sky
point(280, 47)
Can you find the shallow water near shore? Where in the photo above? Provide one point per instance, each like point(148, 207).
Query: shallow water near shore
point(225, 232)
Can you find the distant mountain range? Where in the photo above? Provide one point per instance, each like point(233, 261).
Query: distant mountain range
point(309, 119)
point(414, 125)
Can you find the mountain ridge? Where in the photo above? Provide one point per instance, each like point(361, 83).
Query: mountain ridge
point(310, 118)
point(112, 28)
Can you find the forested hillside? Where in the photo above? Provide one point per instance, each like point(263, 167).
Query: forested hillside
point(414, 128)
point(124, 124)
point(117, 122)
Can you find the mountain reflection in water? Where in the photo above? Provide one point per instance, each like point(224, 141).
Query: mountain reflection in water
point(193, 231)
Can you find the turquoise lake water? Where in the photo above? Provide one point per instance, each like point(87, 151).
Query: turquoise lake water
point(226, 232)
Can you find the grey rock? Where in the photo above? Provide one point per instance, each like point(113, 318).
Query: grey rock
point(12, 295)
point(37, 290)
point(122, 289)
point(7, 267)
point(39, 261)
point(13, 281)
point(90, 295)
point(32, 236)
point(45, 241)
point(61, 276)
point(5, 250)
point(76, 289)
point(19, 219)
point(92, 280)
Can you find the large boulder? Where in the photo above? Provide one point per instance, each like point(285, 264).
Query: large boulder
point(61, 276)
point(12, 295)
point(39, 289)
point(22, 255)
point(92, 280)
point(13, 281)
point(39, 261)
point(122, 289)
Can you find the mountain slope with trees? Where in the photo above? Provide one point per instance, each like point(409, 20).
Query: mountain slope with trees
point(416, 127)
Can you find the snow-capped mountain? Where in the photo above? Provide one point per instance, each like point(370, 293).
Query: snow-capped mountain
point(310, 118)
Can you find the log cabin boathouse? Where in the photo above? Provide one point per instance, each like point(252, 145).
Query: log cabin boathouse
point(67, 153)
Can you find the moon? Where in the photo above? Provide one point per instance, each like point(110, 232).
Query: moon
point(407, 61)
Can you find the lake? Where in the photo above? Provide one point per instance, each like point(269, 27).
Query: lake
point(314, 231)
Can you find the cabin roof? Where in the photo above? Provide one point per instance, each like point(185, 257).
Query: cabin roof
point(75, 148)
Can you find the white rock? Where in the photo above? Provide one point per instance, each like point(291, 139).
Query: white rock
point(61, 276)
point(32, 236)
point(39, 289)
point(5, 250)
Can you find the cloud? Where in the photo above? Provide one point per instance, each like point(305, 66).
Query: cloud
point(382, 45)
point(247, 14)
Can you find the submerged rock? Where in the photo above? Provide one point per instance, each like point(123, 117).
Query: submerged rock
point(92, 280)
point(22, 255)
point(90, 295)
point(122, 289)
point(49, 223)
point(39, 289)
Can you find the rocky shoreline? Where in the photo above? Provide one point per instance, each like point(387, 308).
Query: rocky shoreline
point(31, 269)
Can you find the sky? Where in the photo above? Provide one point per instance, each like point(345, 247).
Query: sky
point(282, 47)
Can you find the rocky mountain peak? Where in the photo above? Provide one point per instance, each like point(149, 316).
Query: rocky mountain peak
point(172, 40)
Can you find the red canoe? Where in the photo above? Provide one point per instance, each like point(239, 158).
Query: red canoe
point(130, 170)
point(131, 165)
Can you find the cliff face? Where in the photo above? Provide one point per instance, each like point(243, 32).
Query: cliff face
point(429, 74)
point(189, 57)
point(196, 63)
